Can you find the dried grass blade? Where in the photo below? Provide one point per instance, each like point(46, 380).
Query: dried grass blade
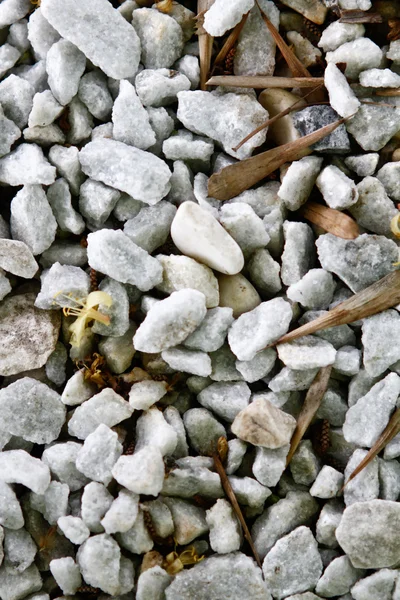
point(388, 92)
point(359, 16)
point(205, 42)
point(390, 431)
point(331, 220)
point(294, 64)
point(229, 42)
point(379, 296)
point(232, 499)
point(311, 404)
point(283, 113)
point(261, 82)
point(239, 177)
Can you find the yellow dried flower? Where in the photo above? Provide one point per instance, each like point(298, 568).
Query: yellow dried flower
point(85, 311)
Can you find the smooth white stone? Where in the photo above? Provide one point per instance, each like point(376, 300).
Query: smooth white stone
point(141, 473)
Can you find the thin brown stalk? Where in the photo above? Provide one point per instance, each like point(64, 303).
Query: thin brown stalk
point(379, 296)
point(283, 113)
point(294, 64)
point(235, 504)
point(331, 220)
point(359, 16)
point(261, 82)
point(229, 43)
point(309, 409)
point(205, 42)
point(388, 92)
point(390, 431)
point(235, 179)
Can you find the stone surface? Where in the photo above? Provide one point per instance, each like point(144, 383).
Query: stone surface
point(373, 126)
point(378, 354)
point(338, 190)
point(328, 483)
point(308, 352)
point(374, 256)
point(99, 561)
point(97, 201)
point(388, 176)
point(66, 573)
point(74, 529)
point(254, 330)
point(232, 575)
point(236, 292)
point(32, 220)
point(299, 180)
point(99, 453)
point(150, 228)
point(99, 31)
point(26, 165)
point(246, 228)
point(202, 429)
point(31, 410)
point(338, 577)
point(364, 164)
point(225, 118)
point(188, 361)
point(65, 65)
point(28, 334)
point(95, 502)
point(131, 123)
point(170, 321)
point(159, 87)
point(94, 94)
point(341, 97)
point(140, 174)
point(61, 458)
point(262, 424)
point(16, 98)
point(225, 529)
point(17, 258)
point(314, 290)
point(225, 399)
point(141, 473)
point(294, 564)
point(368, 533)
point(378, 585)
point(114, 254)
point(9, 133)
point(15, 585)
point(161, 38)
point(122, 513)
point(17, 466)
point(312, 118)
point(373, 210)
point(359, 55)
point(210, 334)
point(59, 198)
point(298, 253)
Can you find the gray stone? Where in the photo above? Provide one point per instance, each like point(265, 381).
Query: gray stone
point(341, 97)
point(294, 564)
point(66, 573)
point(61, 459)
point(32, 220)
point(59, 198)
point(374, 210)
point(131, 123)
point(338, 33)
point(150, 228)
point(373, 126)
point(225, 529)
point(53, 504)
point(106, 407)
point(288, 380)
point(359, 55)
point(203, 430)
point(65, 65)
point(16, 258)
point(153, 430)
point(15, 585)
point(189, 66)
point(122, 513)
point(347, 361)
point(141, 473)
point(60, 285)
point(17, 466)
point(225, 399)
point(223, 364)
point(299, 180)
point(138, 173)
point(328, 522)
point(365, 486)
point(161, 38)
point(223, 15)
point(312, 118)
point(327, 484)
point(94, 94)
point(28, 334)
point(41, 34)
point(32, 410)
point(9, 133)
point(26, 165)
point(376, 330)
point(299, 253)
point(388, 176)
point(97, 201)
point(137, 540)
point(339, 576)
point(189, 520)
point(10, 511)
point(100, 32)
point(211, 333)
point(98, 455)
point(374, 256)
point(269, 465)
point(67, 162)
point(99, 561)
point(264, 273)
point(389, 479)
point(258, 367)
point(16, 98)
point(77, 389)
point(368, 533)
point(305, 465)
point(195, 150)
point(80, 121)
point(308, 352)
point(74, 529)
point(114, 254)
point(118, 311)
point(96, 500)
point(378, 585)
point(246, 228)
point(364, 164)
point(225, 118)
point(314, 290)
point(160, 87)
point(338, 190)
point(19, 549)
point(152, 583)
point(188, 361)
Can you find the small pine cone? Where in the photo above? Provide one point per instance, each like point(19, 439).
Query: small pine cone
point(230, 57)
point(325, 436)
point(129, 448)
point(94, 286)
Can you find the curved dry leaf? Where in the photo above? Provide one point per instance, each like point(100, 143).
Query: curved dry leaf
point(331, 220)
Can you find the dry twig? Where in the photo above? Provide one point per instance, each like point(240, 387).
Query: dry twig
point(331, 220)
point(261, 82)
point(205, 41)
point(359, 16)
point(229, 43)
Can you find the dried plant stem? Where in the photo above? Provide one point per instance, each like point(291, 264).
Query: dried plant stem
point(229, 43)
point(388, 92)
point(237, 178)
point(379, 296)
point(333, 221)
point(309, 409)
point(359, 16)
point(260, 82)
point(283, 113)
point(390, 431)
point(232, 499)
point(205, 42)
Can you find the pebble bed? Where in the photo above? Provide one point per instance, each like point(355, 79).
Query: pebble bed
point(111, 405)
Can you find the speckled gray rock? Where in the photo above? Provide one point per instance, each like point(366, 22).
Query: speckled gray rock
point(373, 126)
point(263, 424)
point(106, 407)
point(366, 420)
point(338, 577)
point(169, 322)
point(141, 473)
point(67, 162)
point(299, 251)
point(374, 256)
point(294, 564)
point(338, 190)
point(269, 465)
point(188, 361)
point(314, 290)
point(308, 352)
point(74, 529)
point(305, 464)
point(31, 410)
point(312, 118)
point(99, 561)
point(377, 330)
point(113, 253)
point(32, 220)
point(61, 458)
point(189, 520)
point(378, 585)
point(369, 534)
point(366, 485)
point(225, 399)
point(117, 53)
point(122, 513)
point(299, 180)
point(59, 198)
point(225, 530)
point(95, 502)
point(26, 165)
point(364, 164)
point(159, 87)
point(17, 258)
point(225, 118)
point(99, 453)
point(327, 523)
point(160, 35)
point(94, 94)
point(258, 367)
point(65, 65)
point(211, 333)
point(202, 429)
point(254, 330)
point(140, 174)
point(359, 55)
point(16, 98)
point(341, 96)
point(389, 479)
point(118, 311)
point(58, 282)
point(9, 133)
point(97, 201)
point(17, 466)
point(295, 509)
point(154, 431)
point(151, 584)
point(28, 335)
point(15, 585)
point(150, 227)
point(328, 483)
point(131, 123)
point(232, 575)
point(374, 209)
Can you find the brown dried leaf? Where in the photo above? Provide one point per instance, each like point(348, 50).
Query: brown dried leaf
point(390, 431)
point(235, 504)
point(359, 16)
point(309, 409)
point(260, 82)
point(394, 33)
point(229, 42)
point(330, 220)
point(205, 42)
point(379, 296)
point(388, 92)
point(235, 179)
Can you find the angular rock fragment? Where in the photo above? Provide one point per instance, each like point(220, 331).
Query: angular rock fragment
point(32, 220)
point(99, 453)
point(17, 466)
point(141, 473)
point(378, 353)
point(312, 118)
point(99, 561)
point(161, 38)
point(224, 15)
point(338, 190)
point(299, 180)
point(373, 126)
point(159, 87)
point(65, 65)
point(373, 210)
point(9, 133)
point(16, 98)
point(308, 352)
point(131, 123)
point(17, 258)
point(26, 165)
